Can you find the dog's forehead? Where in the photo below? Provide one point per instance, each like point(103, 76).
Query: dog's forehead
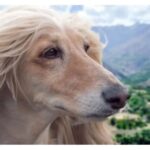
point(48, 37)
point(56, 32)
point(57, 36)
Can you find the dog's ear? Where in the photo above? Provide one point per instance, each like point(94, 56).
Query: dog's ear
point(7, 74)
point(2, 75)
point(5, 66)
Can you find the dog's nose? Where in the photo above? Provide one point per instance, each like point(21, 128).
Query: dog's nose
point(116, 96)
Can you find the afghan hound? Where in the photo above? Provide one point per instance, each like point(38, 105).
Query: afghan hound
point(53, 86)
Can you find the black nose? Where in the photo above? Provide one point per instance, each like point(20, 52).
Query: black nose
point(116, 96)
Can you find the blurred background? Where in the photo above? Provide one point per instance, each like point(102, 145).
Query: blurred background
point(127, 55)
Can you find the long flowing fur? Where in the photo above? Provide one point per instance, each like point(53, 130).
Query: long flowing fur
point(22, 24)
point(63, 132)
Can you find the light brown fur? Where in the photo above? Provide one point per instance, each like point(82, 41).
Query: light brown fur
point(33, 90)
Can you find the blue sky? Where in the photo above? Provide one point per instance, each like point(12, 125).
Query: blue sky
point(113, 15)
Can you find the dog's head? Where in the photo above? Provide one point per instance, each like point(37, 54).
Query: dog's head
point(57, 65)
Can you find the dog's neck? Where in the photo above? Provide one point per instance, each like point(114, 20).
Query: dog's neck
point(19, 123)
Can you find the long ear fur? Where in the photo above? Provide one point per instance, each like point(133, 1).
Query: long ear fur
point(62, 132)
point(18, 27)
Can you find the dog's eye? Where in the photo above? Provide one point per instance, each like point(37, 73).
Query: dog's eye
point(86, 46)
point(51, 53)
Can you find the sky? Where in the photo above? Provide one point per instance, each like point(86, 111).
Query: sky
point(109, 15)
point(113, 14)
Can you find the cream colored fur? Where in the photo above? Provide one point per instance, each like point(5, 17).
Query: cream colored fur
point(26, 114)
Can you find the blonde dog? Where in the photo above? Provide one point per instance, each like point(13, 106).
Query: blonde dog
point(53, 87)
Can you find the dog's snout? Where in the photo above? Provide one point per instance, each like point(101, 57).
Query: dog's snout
point(116, 96)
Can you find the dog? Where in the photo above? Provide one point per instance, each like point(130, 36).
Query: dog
point(53, 86)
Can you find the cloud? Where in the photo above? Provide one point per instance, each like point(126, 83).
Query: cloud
point(111, 14)
point(108, 15)
point(114, 15)
point(61, 8)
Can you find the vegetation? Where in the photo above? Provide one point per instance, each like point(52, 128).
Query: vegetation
point(127, 123)
point(141, 137)
point(134, 130)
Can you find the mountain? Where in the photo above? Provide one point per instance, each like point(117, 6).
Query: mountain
point(128, 50)
point(115, 71)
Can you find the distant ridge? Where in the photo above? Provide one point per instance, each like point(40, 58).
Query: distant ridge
point(128, 50)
